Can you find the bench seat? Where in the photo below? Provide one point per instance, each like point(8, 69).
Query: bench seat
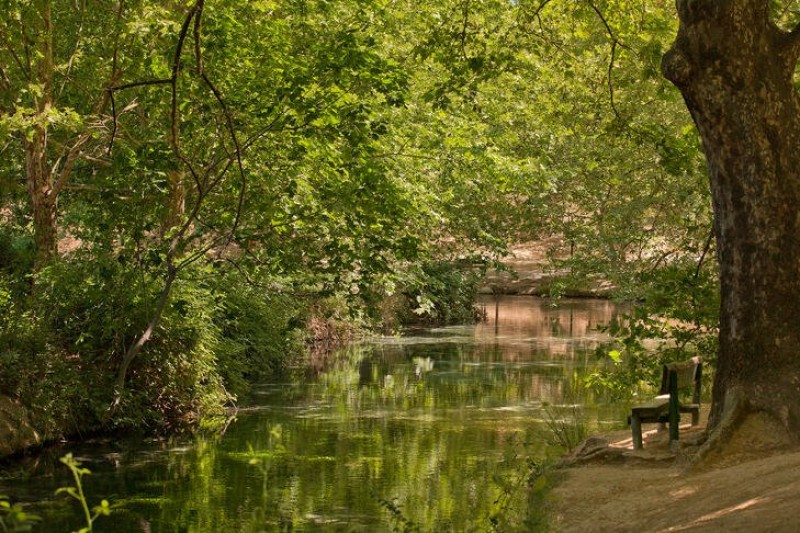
point(687, 374)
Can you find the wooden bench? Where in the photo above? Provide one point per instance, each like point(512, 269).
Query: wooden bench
point(667, 407)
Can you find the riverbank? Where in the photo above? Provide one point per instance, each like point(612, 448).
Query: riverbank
point(248, 335)
point(610, 487)
point(427, 430)
point(16, 430)
point(530, 271)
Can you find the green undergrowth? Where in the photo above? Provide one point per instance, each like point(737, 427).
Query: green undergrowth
point(61, 344)
point(441, 292)
point(67, 327)
point(676, 318)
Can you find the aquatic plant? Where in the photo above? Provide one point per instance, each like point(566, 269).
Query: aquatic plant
point(520, 504)
point(567, 426)
point(104, 509)
point(14, 518)
point(400, 522)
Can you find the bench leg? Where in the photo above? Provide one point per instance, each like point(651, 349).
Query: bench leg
point(636, 431)
point(695, 417)
point(674, 409)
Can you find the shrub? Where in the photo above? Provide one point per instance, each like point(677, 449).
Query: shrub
point(444, 292)
point(677, 319)
point(257, 331)
point(62, 344)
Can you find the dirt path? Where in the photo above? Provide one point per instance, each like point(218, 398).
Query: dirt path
point(652, 491)
point(617, 489)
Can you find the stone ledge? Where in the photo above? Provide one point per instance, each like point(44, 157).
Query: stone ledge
point(16, 431)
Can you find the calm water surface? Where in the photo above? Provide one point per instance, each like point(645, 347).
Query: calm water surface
point(435, 424)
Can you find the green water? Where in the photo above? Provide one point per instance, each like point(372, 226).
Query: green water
point(432, 429)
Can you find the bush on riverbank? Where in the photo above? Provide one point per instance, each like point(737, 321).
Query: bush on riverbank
point(61, 344)
point(676, 318)
point(442, 292)
point(67, 328)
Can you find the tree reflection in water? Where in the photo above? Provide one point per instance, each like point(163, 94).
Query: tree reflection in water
point(442, 429)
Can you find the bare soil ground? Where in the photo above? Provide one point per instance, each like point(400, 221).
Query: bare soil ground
point(752, 485)
point(531, 272)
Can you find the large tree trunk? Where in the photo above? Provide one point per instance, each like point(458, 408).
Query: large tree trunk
point(735, 69)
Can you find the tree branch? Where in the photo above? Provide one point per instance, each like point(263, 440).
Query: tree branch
point(172, 270)
point(464, 28)
point(136, 347)
point(228, 119)
point(181, 238)
point(25, 71)
point(71, 156)
point(75, 150)
point(615, 42)
point(144, 83)
point(706, 249)
point(74, 54)
point(535, 14)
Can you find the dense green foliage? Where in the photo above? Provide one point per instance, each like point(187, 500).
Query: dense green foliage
point(185, 187)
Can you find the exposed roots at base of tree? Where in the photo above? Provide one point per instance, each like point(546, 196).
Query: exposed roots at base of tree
point(744, 432)
point(734, 411)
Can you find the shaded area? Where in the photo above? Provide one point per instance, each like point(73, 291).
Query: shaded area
point(613, 488)
point(435, 428)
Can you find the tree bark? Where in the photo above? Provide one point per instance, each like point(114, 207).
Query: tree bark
point(176, 202)
point(735, 69)
point(42, 198)
point(40, 188)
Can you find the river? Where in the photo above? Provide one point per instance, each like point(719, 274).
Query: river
point(433, 429)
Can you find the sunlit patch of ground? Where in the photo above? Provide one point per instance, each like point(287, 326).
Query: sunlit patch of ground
point(651, 490)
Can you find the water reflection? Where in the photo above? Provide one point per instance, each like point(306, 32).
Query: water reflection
point(428, 428)
point(565, 328)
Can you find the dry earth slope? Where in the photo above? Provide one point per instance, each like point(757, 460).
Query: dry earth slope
point(754, 485)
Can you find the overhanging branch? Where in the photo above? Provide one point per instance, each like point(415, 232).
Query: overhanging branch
point(615, 42)
point(178, 242)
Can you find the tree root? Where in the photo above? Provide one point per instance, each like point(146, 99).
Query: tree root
point(735, 409)
point(744, 432)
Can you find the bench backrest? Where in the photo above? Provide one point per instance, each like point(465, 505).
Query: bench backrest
point(690, 374)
